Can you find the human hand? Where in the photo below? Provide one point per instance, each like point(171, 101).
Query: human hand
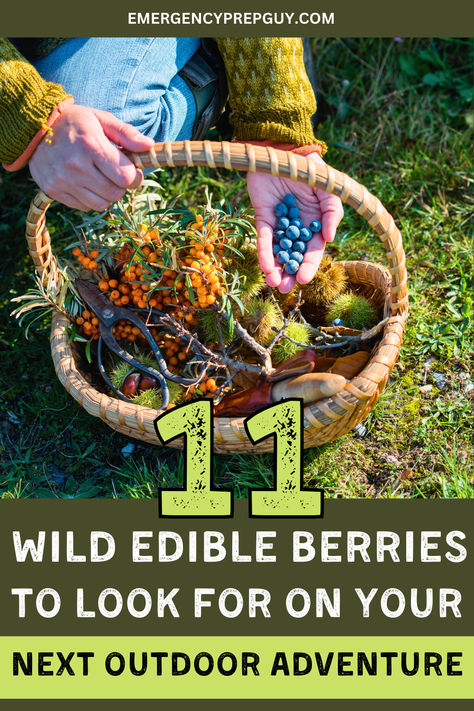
point(265, 192)
point(82, 167)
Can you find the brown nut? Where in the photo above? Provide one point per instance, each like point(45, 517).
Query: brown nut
point(130, 385)
point(147, 382)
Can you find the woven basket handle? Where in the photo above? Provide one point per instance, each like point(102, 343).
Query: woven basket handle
point(247, 157)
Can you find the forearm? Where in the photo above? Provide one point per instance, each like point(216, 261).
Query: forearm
point(270, 95)
point(26, 102)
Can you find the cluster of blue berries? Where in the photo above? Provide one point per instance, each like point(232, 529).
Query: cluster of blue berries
point(290, 236)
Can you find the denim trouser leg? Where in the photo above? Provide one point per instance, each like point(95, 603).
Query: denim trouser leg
point(135, 78)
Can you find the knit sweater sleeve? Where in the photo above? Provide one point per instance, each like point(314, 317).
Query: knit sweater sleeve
point(26, 101)
point(270, 95)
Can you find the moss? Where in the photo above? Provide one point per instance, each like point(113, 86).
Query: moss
point(284, 349)
point(356, 311)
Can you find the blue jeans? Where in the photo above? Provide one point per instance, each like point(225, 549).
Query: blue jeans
point(135, 78)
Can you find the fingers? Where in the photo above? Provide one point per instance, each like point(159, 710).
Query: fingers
point(123, 134)
point(287, 283)
point(265, 247)
point(274, 277)
point(70, 201)
point(332, 213)
point(115, 165)
point(98, 183)
point(110, 160)
point(312, 259)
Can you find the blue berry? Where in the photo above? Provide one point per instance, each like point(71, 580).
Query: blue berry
point(280, 210)
point(276, 249)
point(299, 246)
point(283, 223)
point(283, 257)
point(338, 322)
point(289, 200)
point(305, 234)
point(297, 222)
point(278, 235)
point(286, 244)
point(293, 212)
point(292, 232)
point(297, 256)
point(315, 226)
point(292, 266)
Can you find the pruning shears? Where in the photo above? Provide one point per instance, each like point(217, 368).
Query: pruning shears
point(108, 315)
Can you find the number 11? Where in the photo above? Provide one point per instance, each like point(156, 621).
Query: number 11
point(283, 421)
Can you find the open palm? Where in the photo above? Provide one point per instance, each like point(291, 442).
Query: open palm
point(314, 204)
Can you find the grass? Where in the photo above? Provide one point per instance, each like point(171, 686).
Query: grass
point(397, 117)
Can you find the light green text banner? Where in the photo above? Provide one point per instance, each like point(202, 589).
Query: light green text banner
point(236, 667)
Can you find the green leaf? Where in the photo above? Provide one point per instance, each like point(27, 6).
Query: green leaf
point(238, 302)
point(228, 308)
point(87, 351)
point(189, 288)
point(408, 65)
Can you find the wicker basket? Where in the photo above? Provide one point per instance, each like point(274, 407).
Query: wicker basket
point(324, 420)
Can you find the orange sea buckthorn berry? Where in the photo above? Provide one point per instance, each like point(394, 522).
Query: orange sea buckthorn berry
point(210, 299)
point(211, 385)
point(93, 264)
point(103, 286)
point(94, 254)
point(202, 386)
point(79, 320)
point(76, 251)
point(113, 283)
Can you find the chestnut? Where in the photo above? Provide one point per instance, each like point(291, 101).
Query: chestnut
point(147, 383)
point(130, 385)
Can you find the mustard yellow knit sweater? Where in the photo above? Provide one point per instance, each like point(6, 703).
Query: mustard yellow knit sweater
point(270, 95)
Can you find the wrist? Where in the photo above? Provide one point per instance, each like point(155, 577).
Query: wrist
point(45, 133)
